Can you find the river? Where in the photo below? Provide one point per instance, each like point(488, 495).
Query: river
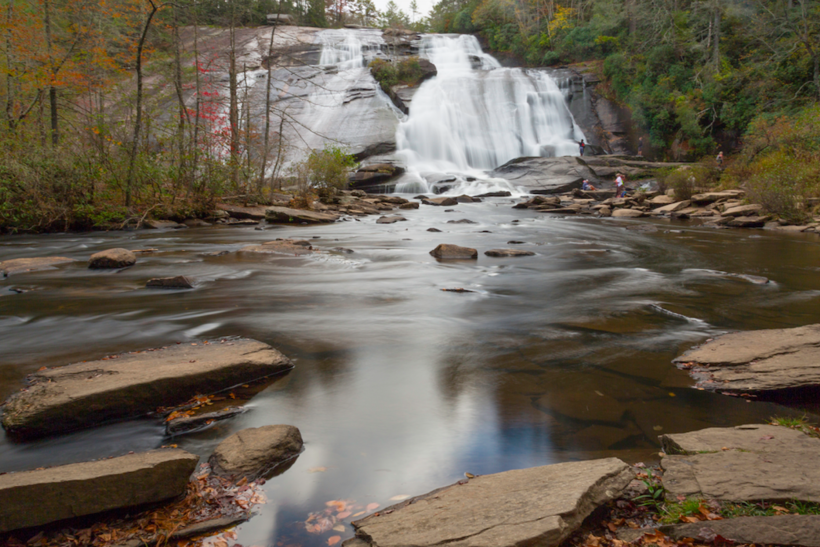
point(400, 387)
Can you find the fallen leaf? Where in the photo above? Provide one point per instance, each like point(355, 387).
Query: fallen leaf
point(372, 507)
point(343, 515)
point(360, 513)
point(333, 540)
point(317, 469)
point(400, 497)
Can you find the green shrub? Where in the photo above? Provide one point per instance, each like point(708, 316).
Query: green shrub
point(407, 71)
point(327, 170)
point(682, 182)
point(781, 183)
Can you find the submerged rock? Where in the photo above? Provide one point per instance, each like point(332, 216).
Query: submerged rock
point(288, 247)
point(462, 221)
point(131, 384)
point(762, 361)
point(177, 282)
point(508, 253)
point(189, 424)
point(536, 506)
point(392, 219)
point(442, 201)
point(744, 463)
point(254, 451)
point(445, 251)
point(23, 265)
point(34, 498)
point(112, 258)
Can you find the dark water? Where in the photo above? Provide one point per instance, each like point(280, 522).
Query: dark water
point(399, 387)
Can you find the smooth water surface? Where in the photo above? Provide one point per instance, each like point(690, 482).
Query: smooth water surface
point(400, 387)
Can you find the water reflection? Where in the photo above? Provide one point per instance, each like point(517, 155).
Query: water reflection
point(399, 387)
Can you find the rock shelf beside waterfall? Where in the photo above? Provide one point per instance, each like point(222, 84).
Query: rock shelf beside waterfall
point(132, 384)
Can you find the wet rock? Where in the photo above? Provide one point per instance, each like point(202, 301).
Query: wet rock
point(712, 197)
point(409, 205)
point(205, 527)
point(112, 258)
point(254, 451)
point(374, 175)
point(433, 230)
point(286, 215)
point(758, 361)
point(563, 211)
point(196, 223)
point(803, 530)
point(627, 213)
point(508, 253)
point(500, 510)
point(744, 463)
point(34, 498)
point(676, 206)
point(343, 250)
point(390, 219)
point(163, 224)
point(516, 242)
point(216, 253)
point(743, 211)
point(447, 251)
point(539, 201)
point(177, 282)
point(546, 175)
point(288, 247)
point(748, 222)
point(501, 194)
point(23, 265)
point(442, 201)
point(190, 424)
point(241, 222)
point(467, 199)
point(86, 394)
point(242, 213)
point(605, 212)
point(462, 221)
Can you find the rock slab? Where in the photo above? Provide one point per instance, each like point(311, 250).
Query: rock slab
point(34, 498)
point(176, 282)
point(112, 258)
point(86, 394)
point(536, 506)
point(445, 251)
point(286, 215)
point(803, 530)
point(744, 463)
point(22, 265)
point(254, 451)
point(758, 361)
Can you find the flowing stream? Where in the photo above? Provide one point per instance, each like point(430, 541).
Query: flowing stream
point(400, 387)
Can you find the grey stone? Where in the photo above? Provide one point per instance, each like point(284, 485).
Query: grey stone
point(392, 219)
point(112, 258)
point(673, 207)
point(409, 205)
point(163, 224)
point(743, 210)
point(659, 201)
point(286, 215)
point(287, 247)
point(254, 451)
point(441, 202)
point(627, 213)
point(758, 361)
point(500, 194)
point(536, 506)
point(462, 221)
point(745, 463)
point(539, 201)
point(85, 394)
point(545, 175)
point(447, 251)
point(177, 282)
point(748, 222)
point(508, 253)
point(242, 213)
point(712, 197)
point(803, 530)
point(196, 223)
point(34, 498)
point(23, 265)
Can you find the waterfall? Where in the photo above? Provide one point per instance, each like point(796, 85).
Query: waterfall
point(475, 116)
point(346, 49)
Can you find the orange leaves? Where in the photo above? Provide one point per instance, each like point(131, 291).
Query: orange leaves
point(333, 540)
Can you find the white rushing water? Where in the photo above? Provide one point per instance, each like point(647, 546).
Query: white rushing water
point(346, 48)
point(475, 116)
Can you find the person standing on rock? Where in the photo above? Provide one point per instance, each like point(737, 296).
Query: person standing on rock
point(719, 159)
point(620, 191)
point(581, 145)
point(640, 146)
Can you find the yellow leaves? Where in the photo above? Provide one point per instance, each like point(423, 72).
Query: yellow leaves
point(562, 19)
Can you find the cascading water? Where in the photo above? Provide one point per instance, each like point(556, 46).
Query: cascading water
point(475, 116)
point(346, 48)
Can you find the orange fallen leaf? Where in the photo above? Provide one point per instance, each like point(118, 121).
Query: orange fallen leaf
point(333, 540)
point(372, 507)
point(343, 515)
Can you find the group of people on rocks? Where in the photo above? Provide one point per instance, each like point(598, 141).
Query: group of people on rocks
point(620, 188)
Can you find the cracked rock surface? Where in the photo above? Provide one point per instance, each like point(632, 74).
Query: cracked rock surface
point(116, 387)
point(761, 361)
point(536, 506)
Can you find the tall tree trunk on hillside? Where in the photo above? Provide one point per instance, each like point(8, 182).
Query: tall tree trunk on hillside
point(266, 140)
point(234, 103)
point(716, 36)
point(10, 118)
point(138, 120)
point(183, 111)
point(631, 16)
point(52, 91)
point(195, 139)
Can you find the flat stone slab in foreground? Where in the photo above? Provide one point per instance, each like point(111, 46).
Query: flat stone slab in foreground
point(758, 361)
point(23, 265)
point(132, 384)
point(744, 463)
point(34, 498)
point(536, 506)
point(801, 530)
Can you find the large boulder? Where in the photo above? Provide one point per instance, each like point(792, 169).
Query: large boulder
point(374, 175)
point(22, 265)
point(545, 175)
point(743, 210)
point(242, 213)
point(34, 498)
point(744, 463)
point(255, 451)
point(131, 384)
point(112, 258)
point(163, 224)
point(447, 251)
point(286, 215)
point(536, 506)
point(441, 201)
point(392, 219)
point(176, 282)
point(761, 361)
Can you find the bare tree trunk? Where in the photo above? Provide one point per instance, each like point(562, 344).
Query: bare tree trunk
point(195, 140)
point(716, 43)
point(266, 139)
point(138, 121)
point(234, 103)
point(10, 119)
point(52, 91)
point(183, 111)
